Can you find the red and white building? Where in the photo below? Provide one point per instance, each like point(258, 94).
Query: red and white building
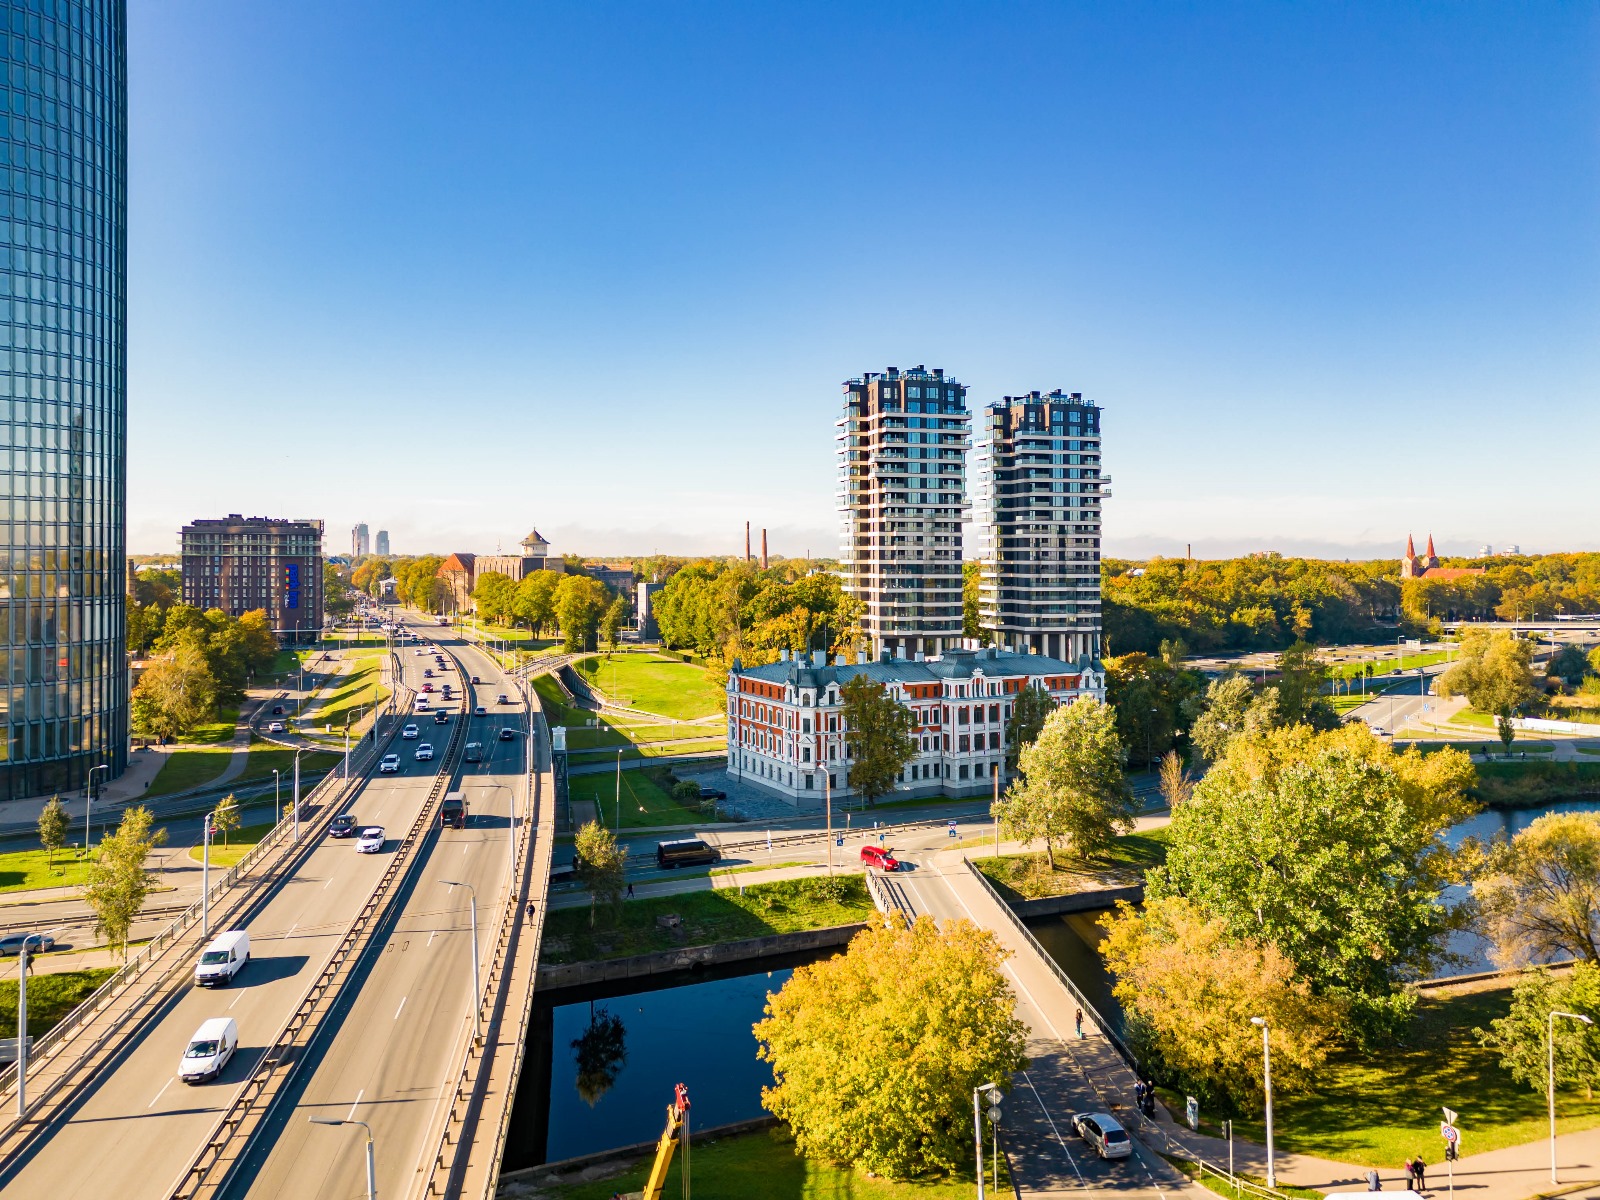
point(786, 725)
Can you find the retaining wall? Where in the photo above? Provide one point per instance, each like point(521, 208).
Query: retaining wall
point(663, 962)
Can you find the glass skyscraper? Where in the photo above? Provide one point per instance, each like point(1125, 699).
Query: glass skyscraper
point(63, 401)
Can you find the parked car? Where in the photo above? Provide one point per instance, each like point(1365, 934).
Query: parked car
point(344, 825)
point(371, 840)
point(12, 943)
point(389, 765)
point(711, 793)
point(209, 1050)
point(877, 856)
point(1104, 1133)
point(410, 732)
point(223, 958)
point(424, 752)
point(508, 735)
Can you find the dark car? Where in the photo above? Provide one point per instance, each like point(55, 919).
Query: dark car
point(453, 812)
point(440, 716)
point(12, 944)
point(344, 825)
point(475, 679)
point(502, 698)
point(711, 793)
point(686, 852)
point(277, 710)
point(508, 735)
point(428, 674)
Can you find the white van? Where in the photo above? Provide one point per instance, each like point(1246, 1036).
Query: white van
point(223, 958)
point(210, 1049)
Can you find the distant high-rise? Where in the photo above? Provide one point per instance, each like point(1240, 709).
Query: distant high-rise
point(1036, 506)
point(383, 543)
point(360, 544)
point(63, 398)
point(902, 483)
point(239, 564)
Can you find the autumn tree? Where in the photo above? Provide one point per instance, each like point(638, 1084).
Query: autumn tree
point(579, 602)
point(1176, 784)
point(1071, 791)
point(176, 692)
point(1230, 706)
point(1029, 708)
point(875, 1052)
point(225, 818)
point(600, 859)
point(1190, 988)
point(881, 737)
point(53, 827)
point(1493, 672)
point(1539, 893)
point(1522, 1036)
point(117, 882)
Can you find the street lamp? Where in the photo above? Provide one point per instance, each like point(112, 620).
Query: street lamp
point(477, 993)
point(372, 1170)
point(88, 801)
point(1266, 1075)
point(297, 755)
point(277, 796)
point(22, 1024)
point(619, 790)
point(1551, 1083)
point(991, 1091)
point(205, 876)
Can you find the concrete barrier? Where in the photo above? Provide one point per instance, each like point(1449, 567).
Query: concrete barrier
point(664, 962)
point(548, 1174)
point(1072, 902)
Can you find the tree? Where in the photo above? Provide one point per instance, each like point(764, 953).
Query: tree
point(1231, 706)
point(875, 1052)
point(611, 623)
point(117, 882)
point(599, 860)
point(53, 827)
point(1570, 665)
point(176, 692)
point(535, 601)
point(495, 596)
point(1072, 789)
point(881, 741)
point(1331, 847)
point(1147, 695)
point(1190, 988)
point(1540, 892)
point(1522, 1036)
point(1176, 786)
point(225, 818)
point(579, 601)
point(1028, 712)
point(1493, 672)
point(1302, 676)
point(336, 598)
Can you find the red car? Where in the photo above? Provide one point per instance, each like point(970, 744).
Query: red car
point(877, 856)
point(427, 687)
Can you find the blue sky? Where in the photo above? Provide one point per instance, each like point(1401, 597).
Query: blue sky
point(1333, 270)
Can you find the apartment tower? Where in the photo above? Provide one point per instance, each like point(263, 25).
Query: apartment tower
point(360, 542)
point(239, 564)
point(1036, 506)
point(382, 547)
point(902, 445)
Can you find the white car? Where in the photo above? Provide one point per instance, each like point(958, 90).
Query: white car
point(424, 752)
point(480, 711)
point(1104, 1133)
point(275, 727)
point(389, 764)
point(371, 840)
point(410, 733)
point(420, 650)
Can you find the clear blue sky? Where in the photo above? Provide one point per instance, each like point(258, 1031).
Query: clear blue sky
point(458, 270)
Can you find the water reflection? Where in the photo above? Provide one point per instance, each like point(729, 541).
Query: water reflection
point(599, 1053)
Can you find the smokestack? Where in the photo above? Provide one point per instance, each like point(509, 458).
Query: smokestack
point(747, 541)
point(763, 549)
point(1188, 550)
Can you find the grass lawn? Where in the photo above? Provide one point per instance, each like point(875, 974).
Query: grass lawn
point(1374, 1110)
point(1384, 664)
point(239, 843)
point(185, 769)
point(708, 917)
point(266, 757)
point(24, 870)
point(220, 730)
point(50, 997)
point(354, 693)
point(643, 803)
point(764, 1164)
point(520, 639)
point(557, 709)
point(1025, 876)
point(669, 687)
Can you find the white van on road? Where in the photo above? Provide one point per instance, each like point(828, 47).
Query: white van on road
point(224, 958)
point(210, 1050)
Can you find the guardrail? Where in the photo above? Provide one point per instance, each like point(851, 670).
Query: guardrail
point(1083, 1002)
point(255, 1099)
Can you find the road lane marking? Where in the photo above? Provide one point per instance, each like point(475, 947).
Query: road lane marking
point(238, 998)
point(402, 1005)
point(351, 1114)
point(325, 886)
point(159, 1094)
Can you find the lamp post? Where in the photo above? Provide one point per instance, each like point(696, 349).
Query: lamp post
point(472, 901)
point(1551, 1081)
point(619, 789)
point(297, 755)
point(990, 1091)
point(22, 1024)
point(1266, 1076)
point(372, 1170)
point(205, 876)
point(277, 796)
point(88, 802)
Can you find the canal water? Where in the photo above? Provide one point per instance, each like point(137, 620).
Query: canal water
point(1073, 940)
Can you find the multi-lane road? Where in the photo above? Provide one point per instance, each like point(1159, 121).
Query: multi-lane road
point(386, 1051)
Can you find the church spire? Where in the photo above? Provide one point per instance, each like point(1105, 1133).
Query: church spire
point(1411, 547)
point(1431, 554)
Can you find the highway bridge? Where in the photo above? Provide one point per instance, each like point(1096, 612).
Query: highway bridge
point(361, 1002)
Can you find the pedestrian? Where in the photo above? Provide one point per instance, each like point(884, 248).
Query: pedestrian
point(1138, 1094)
point(1422, 1174)
point(1374, 1184)
point(1411, 1175)
point(630, 891)
point(1080, 1022)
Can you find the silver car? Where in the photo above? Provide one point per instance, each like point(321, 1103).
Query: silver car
point(1104, 1133)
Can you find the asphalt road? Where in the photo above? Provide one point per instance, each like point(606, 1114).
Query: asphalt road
point(138, 1130)
point(400, 1039)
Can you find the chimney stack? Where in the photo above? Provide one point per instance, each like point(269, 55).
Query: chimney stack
point(747, 541)
point(763, 549)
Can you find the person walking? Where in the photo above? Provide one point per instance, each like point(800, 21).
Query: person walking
point(1421, 1174)
point(1079, 1019)
point(630, 891)
point(1374, 1183)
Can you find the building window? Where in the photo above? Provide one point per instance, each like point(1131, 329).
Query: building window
point(963, 773)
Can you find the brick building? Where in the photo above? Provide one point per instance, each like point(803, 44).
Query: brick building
point(239, 564)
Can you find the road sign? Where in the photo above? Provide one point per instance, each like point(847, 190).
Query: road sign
point(952, 829)
point(1449, 1133)
point(994, 1113)
point(1450, 1116)
point(839, 841)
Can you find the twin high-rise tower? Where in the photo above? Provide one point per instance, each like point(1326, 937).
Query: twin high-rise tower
point(903, 440)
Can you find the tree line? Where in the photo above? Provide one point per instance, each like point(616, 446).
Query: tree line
point(199, 661)
point(575, 606)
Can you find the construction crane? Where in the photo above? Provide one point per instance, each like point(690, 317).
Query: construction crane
point(677, 1130)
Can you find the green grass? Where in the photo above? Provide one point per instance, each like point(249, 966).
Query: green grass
point(354, 693)
point(557, 709)
point(239, 843)
point(219, 730)
point(1026, 877)
point(1376, 1109)
point(644, 804)
point(723, 915)
point(50, 997)
point(668, 687)
point(519, 639)
point(185, 769)
point(1383, 665)
point(24, 870)
point(764, 1164)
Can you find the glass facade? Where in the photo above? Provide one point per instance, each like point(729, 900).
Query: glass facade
point(63, 403)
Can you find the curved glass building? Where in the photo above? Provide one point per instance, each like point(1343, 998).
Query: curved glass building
point(63, 403)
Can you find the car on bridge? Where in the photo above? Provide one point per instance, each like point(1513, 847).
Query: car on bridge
point(475, 679)
point(480, 711)
point(1104, 1133)
point(453, 812)
point(389, 765)
point(12, 944)
point(371, 840)
point(502, 698)
point(508, 735)
point(428, 673)
point(209, 1050)
point(344, 825)
point(424, 752)
point(410, 732)
point(877, 856)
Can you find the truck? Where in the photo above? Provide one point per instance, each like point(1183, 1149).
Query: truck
point(453, 811)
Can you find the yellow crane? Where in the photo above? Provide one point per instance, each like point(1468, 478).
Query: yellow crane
point(677, 1130)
